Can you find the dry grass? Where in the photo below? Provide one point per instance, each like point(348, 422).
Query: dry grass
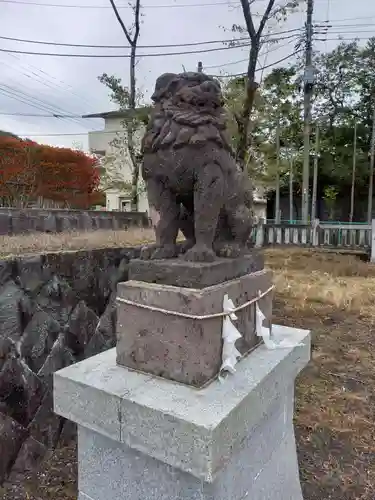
point(311, 279)
point(333, 296)
point(43, 242)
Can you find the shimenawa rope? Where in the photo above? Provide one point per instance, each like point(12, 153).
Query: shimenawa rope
point(192, 316)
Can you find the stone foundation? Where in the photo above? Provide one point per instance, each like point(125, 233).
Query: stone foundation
point(185, 350)
point(143, 437)
point(55, 309)
point(16, 221)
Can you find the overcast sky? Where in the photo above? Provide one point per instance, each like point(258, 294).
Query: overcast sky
point(69, 85)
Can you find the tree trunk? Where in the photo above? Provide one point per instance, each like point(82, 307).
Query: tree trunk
point(131, 130)
point(243, 121)
point(134, 190)
point(132, 77)
point(132, 105)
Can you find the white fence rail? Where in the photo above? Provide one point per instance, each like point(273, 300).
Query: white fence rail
point(334, 236)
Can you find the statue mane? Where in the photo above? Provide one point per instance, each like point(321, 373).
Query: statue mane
point(186, 113)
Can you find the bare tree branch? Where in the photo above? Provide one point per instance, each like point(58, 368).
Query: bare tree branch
point(131, 123)
point(265, 18)
point(248, 19)
point(243, 121)
point(124, 29)
point(133, 46)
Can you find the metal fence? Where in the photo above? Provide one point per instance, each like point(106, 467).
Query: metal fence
point(356, 236)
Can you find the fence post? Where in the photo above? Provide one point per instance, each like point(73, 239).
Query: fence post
point(373, 240)
point(315, 233)
point(259, 238)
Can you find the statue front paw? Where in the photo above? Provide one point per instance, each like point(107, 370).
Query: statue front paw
point(200, 253)
point(147, 251)
point(165, 252)
point(228, 250)
point(186, 245)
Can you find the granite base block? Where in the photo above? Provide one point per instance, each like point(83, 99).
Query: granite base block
point(142, 437)
point(185, 350)
point(83, 496)
point(109, 471)
point(181, 273)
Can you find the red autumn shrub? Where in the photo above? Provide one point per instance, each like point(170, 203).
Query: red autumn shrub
point(29, 171)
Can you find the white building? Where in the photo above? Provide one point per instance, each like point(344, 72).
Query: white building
point(259, 202)
point(100, 143)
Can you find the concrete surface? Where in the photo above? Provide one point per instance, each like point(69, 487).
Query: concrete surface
point(143, 437)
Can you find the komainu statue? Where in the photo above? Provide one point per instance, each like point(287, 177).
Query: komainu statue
point(193, 182)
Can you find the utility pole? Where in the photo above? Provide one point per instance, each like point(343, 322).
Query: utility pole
point(308, 91)
point(315, 177)
point(371, 179)
point(200, 67)
point(291, 189)
point(277, 200)
point(353, 174)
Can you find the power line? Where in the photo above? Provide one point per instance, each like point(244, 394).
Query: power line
point(340, 38)
point(43, 78)
point(34, 102)
point(342, 32)
point(246, 60)
point(117, 131)
point(331, 24)
point(118, 55)
point(162, 6)
point(163, 54)
point(227, 64)
point(226, 3)
point(72, 134)
point(344, 19)
point(39, 115)
point(191, 44)
point(238, 75)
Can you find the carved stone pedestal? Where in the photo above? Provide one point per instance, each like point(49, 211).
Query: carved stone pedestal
point(142, 437)
point(182, 349)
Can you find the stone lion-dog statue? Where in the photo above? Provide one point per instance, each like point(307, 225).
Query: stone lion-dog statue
point(193, 182)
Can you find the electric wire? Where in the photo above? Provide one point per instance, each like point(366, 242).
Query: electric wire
point(158, 54)
point(148, 6)
point(171, 45)
point(111, 131)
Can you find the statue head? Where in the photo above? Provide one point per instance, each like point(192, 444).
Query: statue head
point(196, 90)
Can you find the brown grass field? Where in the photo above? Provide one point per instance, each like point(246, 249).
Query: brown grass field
point(333, 295)
point(47, 242)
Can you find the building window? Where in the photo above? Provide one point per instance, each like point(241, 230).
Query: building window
point(99, 153)
point(125, 205)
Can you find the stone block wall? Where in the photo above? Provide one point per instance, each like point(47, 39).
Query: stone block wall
point(15, 221)
point(55, 309)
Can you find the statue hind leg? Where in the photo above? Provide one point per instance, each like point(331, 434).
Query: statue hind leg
point(208, 201)
point(233, 241)
point(241, 222)
point(186, 226)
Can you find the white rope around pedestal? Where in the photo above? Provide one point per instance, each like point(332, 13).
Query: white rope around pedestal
point(230, 333)
point(194, 316)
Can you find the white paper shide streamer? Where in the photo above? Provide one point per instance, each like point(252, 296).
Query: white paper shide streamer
point(230, 334)
point(266, 333)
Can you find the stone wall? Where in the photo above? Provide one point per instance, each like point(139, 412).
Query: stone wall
point(55, 309)
point(15, 221)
